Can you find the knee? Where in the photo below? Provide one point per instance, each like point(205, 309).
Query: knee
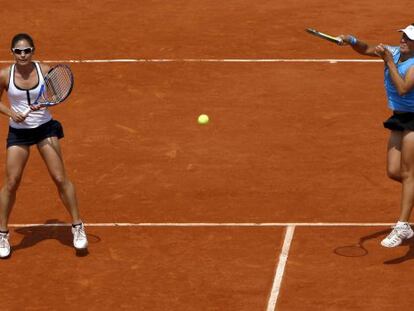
point(12, 184)
point(394, 173)
point(407, 174)
point(60, 180)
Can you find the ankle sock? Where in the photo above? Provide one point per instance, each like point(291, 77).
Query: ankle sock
point(402, 224)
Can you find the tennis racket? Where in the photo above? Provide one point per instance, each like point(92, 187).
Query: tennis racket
point(57, 87)
point(324, 36)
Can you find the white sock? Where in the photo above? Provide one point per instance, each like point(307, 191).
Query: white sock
point(402, 223)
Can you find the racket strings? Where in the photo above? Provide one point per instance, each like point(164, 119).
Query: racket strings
point(58, 84)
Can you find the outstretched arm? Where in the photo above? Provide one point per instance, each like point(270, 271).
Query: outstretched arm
point(359, 46)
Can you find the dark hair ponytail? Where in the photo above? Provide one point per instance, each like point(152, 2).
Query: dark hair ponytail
point(22, 36)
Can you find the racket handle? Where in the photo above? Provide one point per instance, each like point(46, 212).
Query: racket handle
point(26, 112)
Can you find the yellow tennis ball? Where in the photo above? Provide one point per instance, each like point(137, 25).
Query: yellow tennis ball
point(203, 119)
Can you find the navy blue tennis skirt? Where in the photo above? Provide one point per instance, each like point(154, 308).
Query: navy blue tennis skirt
point(400, 121)
point(28, 137)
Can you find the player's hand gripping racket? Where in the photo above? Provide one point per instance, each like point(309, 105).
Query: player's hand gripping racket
point(325, 36)
point(57, 87)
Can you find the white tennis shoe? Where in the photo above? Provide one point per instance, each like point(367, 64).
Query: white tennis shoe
point(4, 245)
point(398, 235)
point(80, 241)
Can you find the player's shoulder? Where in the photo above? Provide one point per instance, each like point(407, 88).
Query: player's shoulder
point(5, 70)
point(4, 74)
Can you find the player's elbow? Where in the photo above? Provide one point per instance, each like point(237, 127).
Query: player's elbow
point(404, 88)
point(402, 91)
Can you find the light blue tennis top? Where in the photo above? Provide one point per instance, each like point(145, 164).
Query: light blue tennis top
point(395, 101)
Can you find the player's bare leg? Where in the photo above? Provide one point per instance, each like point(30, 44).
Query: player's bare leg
point(16, 159)
point(394, 156)
point(407, 175)
point(51, 153)
point(402, 230)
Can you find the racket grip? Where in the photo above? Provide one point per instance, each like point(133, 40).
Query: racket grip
point(26, 112)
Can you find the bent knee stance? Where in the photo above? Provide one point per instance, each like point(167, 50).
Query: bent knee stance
point(60, 180)
point(407, 174)
point(394, 174)
point(62, 183)
point(12, 184)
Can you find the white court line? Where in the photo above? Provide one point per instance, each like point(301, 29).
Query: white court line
point(274, 294)
point(211, 224)
point(209, 60)
point(277, 281)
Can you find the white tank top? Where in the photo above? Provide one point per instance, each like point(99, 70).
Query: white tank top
point(21, 98)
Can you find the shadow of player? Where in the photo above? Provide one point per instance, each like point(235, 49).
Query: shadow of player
point(408, 255)
point(53, 229)
point(410, 243)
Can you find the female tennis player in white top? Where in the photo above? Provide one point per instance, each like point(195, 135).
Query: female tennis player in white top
point(22, 81)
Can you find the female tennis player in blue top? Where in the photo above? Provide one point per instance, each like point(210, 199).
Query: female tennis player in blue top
point(22, 81)
point(399, 86)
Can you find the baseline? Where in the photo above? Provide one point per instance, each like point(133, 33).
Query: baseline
point(208, 224)
point(209, 60)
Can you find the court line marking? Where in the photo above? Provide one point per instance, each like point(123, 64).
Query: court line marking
point(290, 226)
point(208, 224)
point(208, 60)
point(277, 281)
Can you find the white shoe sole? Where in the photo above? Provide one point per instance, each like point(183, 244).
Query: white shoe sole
point(4, 256)
point(82, 247)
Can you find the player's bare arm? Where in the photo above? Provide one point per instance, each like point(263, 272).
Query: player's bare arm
point(3, 83)
point(359, 46)
point(4, 74)
point(45, 68)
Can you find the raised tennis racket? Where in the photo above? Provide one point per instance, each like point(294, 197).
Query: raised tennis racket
point(324, 36)
point(57, 87)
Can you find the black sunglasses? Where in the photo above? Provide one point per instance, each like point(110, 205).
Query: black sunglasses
point(20, 51)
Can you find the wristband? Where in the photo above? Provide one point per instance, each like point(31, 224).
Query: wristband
point(352, 40)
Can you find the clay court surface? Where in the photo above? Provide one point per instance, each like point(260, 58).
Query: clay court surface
point(245, 213)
